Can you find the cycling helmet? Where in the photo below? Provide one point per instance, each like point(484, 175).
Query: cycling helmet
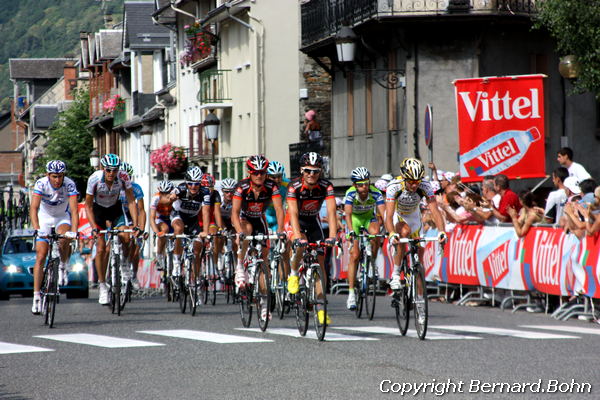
point(207, 180)
point(381, 184)
point(55, 167)
point(412, 169)
point(257, 163)
point(275, 168)
point(165, 186)
point(360, 174)
point(311, 159)
point(228, 184)
point(387, 177)
point(193, 174)
point(110, 161)
point(125, 166)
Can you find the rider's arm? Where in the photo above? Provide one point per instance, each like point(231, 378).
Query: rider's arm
point(235, 214)
point(331, 213)
point(390, 209)
point(293, 212)
point(381, 210)
point(348, 216)
point(89, 210)
point(278, 206)
point(73, 207)
point(33, 211)
point(205, 218)
point(141, 213)
point(153, 225)
point(218, 217)
point(132, 207)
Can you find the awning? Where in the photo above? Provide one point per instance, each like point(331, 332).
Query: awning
point(215, 106)
point(223, 12)
point(99, 120)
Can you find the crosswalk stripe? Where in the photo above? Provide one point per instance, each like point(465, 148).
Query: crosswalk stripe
point(503, 332)
point(99, 340)
point(206, 336)
point(565, 328)
point(12, 348)
point(384, 330)
point(329, 336)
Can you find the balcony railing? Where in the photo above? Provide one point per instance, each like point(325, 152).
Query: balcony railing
point(214, 86)
point(233, 167)
point(323, 18)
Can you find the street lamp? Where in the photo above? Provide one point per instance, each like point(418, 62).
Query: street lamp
point(568, 67)
point(146, 136)
point(211, 130)
point(94, 159)
point(345, 44)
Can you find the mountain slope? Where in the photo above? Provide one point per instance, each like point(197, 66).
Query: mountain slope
point(46, 28)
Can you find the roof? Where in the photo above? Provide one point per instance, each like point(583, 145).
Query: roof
point(37, 68)
point(140, 30)
point(164, 13)
point(109, 42)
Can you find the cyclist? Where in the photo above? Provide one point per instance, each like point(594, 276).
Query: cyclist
point(102, 205)
point(191, 200)
point(53, 204)
point(276, 172)
point(135, 245)
point(161, 207)
point(403, 214)
point(227, 188)
point(250, 200)
point(216, 222)
point(363, 202)
point(305, 196)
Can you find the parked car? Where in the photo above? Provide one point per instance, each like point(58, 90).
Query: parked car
point(17, 258)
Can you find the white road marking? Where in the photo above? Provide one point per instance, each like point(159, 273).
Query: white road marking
point(503, 332)
point(310, 334)
point(12, 348)
point(565, 328)
point(206, 336)
point(384, 330)
point(99, 340)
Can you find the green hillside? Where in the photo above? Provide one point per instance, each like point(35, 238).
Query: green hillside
point(46, 28)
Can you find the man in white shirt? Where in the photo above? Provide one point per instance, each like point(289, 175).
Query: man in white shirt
point(565, 159)
point(556, 199)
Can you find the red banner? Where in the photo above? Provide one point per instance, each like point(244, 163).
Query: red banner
point(501, 127)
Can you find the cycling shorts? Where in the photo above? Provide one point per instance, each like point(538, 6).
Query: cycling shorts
point(363, 221)
point(112, 214)
point(190, 222)
point(259, 225)
point(48, 221)
point(413, 220)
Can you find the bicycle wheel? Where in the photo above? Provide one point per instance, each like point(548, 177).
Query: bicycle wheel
point(51, 293)
point(228, 280)
point(319, 304)
point(370, 289)
point(279, 287)
point(263, 300)
point(420, 301)
point(193, 292)
point(245, 299)
point(359, 289)
point(183, 294)
point(117, 289)
point(167, 271)
point(301, 307)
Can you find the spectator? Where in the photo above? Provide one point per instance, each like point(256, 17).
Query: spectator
point(312, 128)
point(528, 215)
point(572, 220)
point(508, 198)
point(490, 200)
point(587, 187)
point(557, 198)
point(464, 213)
point(571, 185)
point(565, 158)
point(592, 214)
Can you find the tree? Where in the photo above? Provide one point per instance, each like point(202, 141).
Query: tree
point(575, 24)
point(70, 141)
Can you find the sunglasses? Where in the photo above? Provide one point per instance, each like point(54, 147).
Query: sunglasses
point(258, 173)
point(276, 176)
point(193, 183)
point(111, 169)
point(362, 184)
point(228, 191)
point(311, 171)
point(413, 182)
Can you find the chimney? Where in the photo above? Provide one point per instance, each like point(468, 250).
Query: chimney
point(108, 21)
point(70, 78)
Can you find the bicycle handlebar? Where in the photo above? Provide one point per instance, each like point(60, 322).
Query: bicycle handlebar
point(423, 239)
point(261, 237)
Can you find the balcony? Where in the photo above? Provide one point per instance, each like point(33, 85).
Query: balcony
point(214, 87)
point(323, 18)
point(233, 167)
point(121, 115)
point(200, 147)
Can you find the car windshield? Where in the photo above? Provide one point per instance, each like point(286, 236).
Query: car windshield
point(20, 244)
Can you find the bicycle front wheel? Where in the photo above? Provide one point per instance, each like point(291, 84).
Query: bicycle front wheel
point(50, 292)
point(263, 300)
point(301, 307)
point(359, 290)
point(245, 299)
point(183, 294)
point(420, 301)
point(370, 289)
point(319, 303)
point(279, 287)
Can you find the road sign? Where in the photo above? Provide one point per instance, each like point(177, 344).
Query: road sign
point(428, 125)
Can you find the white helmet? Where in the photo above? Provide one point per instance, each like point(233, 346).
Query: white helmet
point(412, 169)
point(228, 184)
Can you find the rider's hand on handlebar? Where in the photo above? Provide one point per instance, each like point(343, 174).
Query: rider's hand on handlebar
point(351, 235)
point(281, 235)
point(330, 241)
point(442, 237)
point(394, 237)
point(71, 234)
point(95, 232)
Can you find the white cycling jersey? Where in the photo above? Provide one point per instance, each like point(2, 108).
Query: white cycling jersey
point(54, 202)
point(103, 195)
point(406, 201)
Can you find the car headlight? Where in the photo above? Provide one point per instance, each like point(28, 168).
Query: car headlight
point(13, 269)
point(78, 267)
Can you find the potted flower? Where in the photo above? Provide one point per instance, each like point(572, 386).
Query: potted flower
point(192, 30)
point(115, 103)
point(168, 159)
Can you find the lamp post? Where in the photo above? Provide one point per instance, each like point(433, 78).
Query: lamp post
point(345, 44)
point(146, 138)
point(94, 159)
point(211, 130)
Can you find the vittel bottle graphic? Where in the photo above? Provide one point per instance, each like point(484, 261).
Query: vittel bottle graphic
point(498, 153)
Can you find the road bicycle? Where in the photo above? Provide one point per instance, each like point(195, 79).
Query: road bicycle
point(367, 277)
point(278, 279)
point(257, 291)
point(190, 283)
point(412, 278)
point(170, 282)
point(229, 260)
point(118, 285)
point(307, 299)
point(209, 275)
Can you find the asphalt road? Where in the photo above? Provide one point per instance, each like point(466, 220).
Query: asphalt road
point(464, 344)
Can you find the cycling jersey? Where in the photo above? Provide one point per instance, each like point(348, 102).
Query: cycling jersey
point(366, 207)
point(215, 200)
point(138, 194)
point(103, 195)
point(407, 201)
point(271, 214)
point(188, 203)
point(161, 208)
point(54, 202)
point(309, 200)
point(254, 206)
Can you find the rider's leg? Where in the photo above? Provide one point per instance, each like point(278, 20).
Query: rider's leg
point(41, 250)
point(65, 254)
point(240, 273)
point(178, 227)
point(374, 230)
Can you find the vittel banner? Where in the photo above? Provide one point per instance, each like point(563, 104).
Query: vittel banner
point(501, 126)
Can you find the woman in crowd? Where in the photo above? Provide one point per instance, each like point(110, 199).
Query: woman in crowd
point(528, 215)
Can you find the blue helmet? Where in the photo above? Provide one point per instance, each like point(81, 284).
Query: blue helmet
point(125, 166)
point(275, 168)
point(110, 161)
point(55, 167)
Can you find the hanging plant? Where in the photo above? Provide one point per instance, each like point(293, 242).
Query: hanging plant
point(168, 159)
point(115, 103)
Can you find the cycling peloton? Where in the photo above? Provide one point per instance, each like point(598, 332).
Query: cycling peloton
point(161, 207)
point(53, 204)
